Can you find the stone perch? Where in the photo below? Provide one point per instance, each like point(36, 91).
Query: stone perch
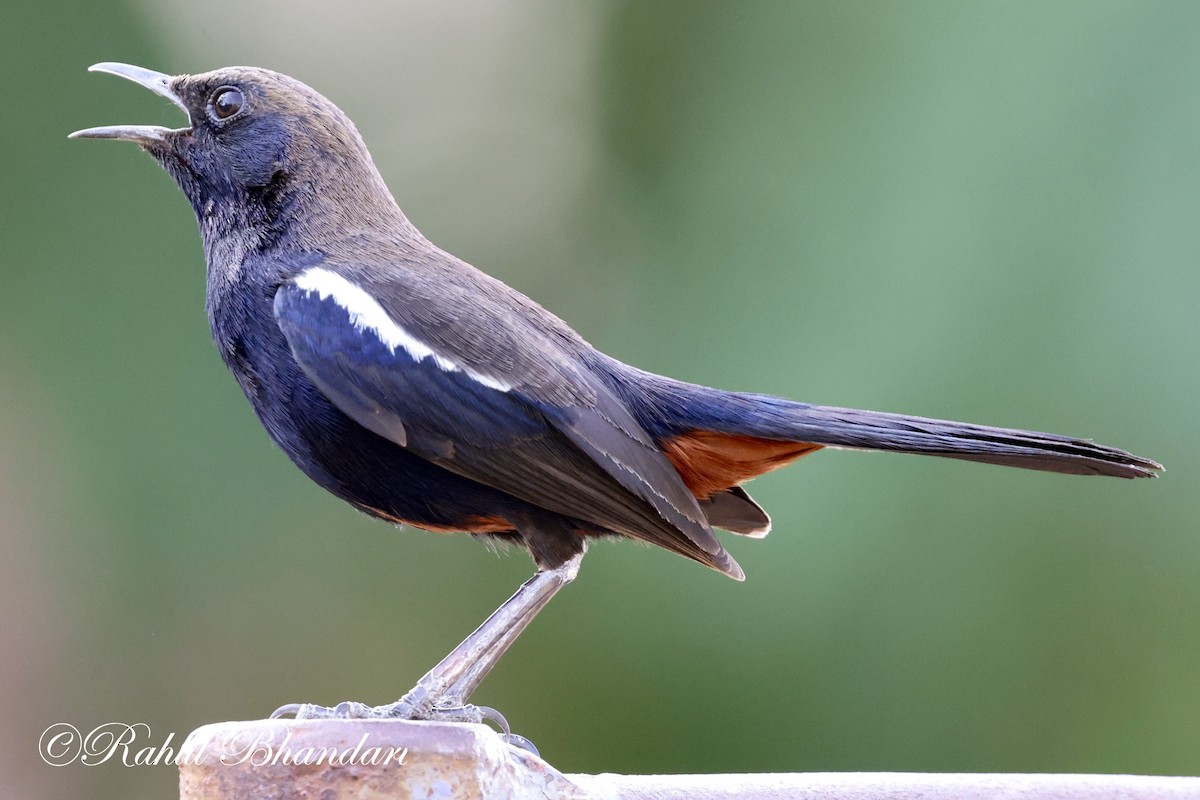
point(378, 759)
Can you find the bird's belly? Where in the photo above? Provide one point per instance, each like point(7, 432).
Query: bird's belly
point(379, 476)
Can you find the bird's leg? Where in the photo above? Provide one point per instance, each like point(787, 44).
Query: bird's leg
point(443, 691)
point(449, 684)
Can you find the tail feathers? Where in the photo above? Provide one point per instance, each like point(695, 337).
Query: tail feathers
point(735, 511)
point(771, 417)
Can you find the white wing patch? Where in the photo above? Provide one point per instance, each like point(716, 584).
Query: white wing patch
point(366, 314)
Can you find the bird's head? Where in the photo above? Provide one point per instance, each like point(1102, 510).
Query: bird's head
point(255, 137)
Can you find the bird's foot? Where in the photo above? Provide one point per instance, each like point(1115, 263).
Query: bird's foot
point(406, 709)
point(443, 692)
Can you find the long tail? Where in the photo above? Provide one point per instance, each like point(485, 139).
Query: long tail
point(775, 418)
point(681, 409)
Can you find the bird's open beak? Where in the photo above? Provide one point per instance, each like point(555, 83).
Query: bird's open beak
point(156, 82)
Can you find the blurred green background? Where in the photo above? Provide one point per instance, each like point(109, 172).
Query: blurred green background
point(985, 211)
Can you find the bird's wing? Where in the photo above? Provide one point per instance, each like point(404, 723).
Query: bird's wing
point(528, 421)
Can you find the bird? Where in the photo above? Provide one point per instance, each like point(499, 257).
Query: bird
point(427, 393)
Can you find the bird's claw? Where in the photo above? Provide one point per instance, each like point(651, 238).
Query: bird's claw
point(481, 714)
point(346, 710)
point(517, 740)
point(400, 710)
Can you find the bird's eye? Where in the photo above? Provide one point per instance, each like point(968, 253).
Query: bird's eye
point(226, 102)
